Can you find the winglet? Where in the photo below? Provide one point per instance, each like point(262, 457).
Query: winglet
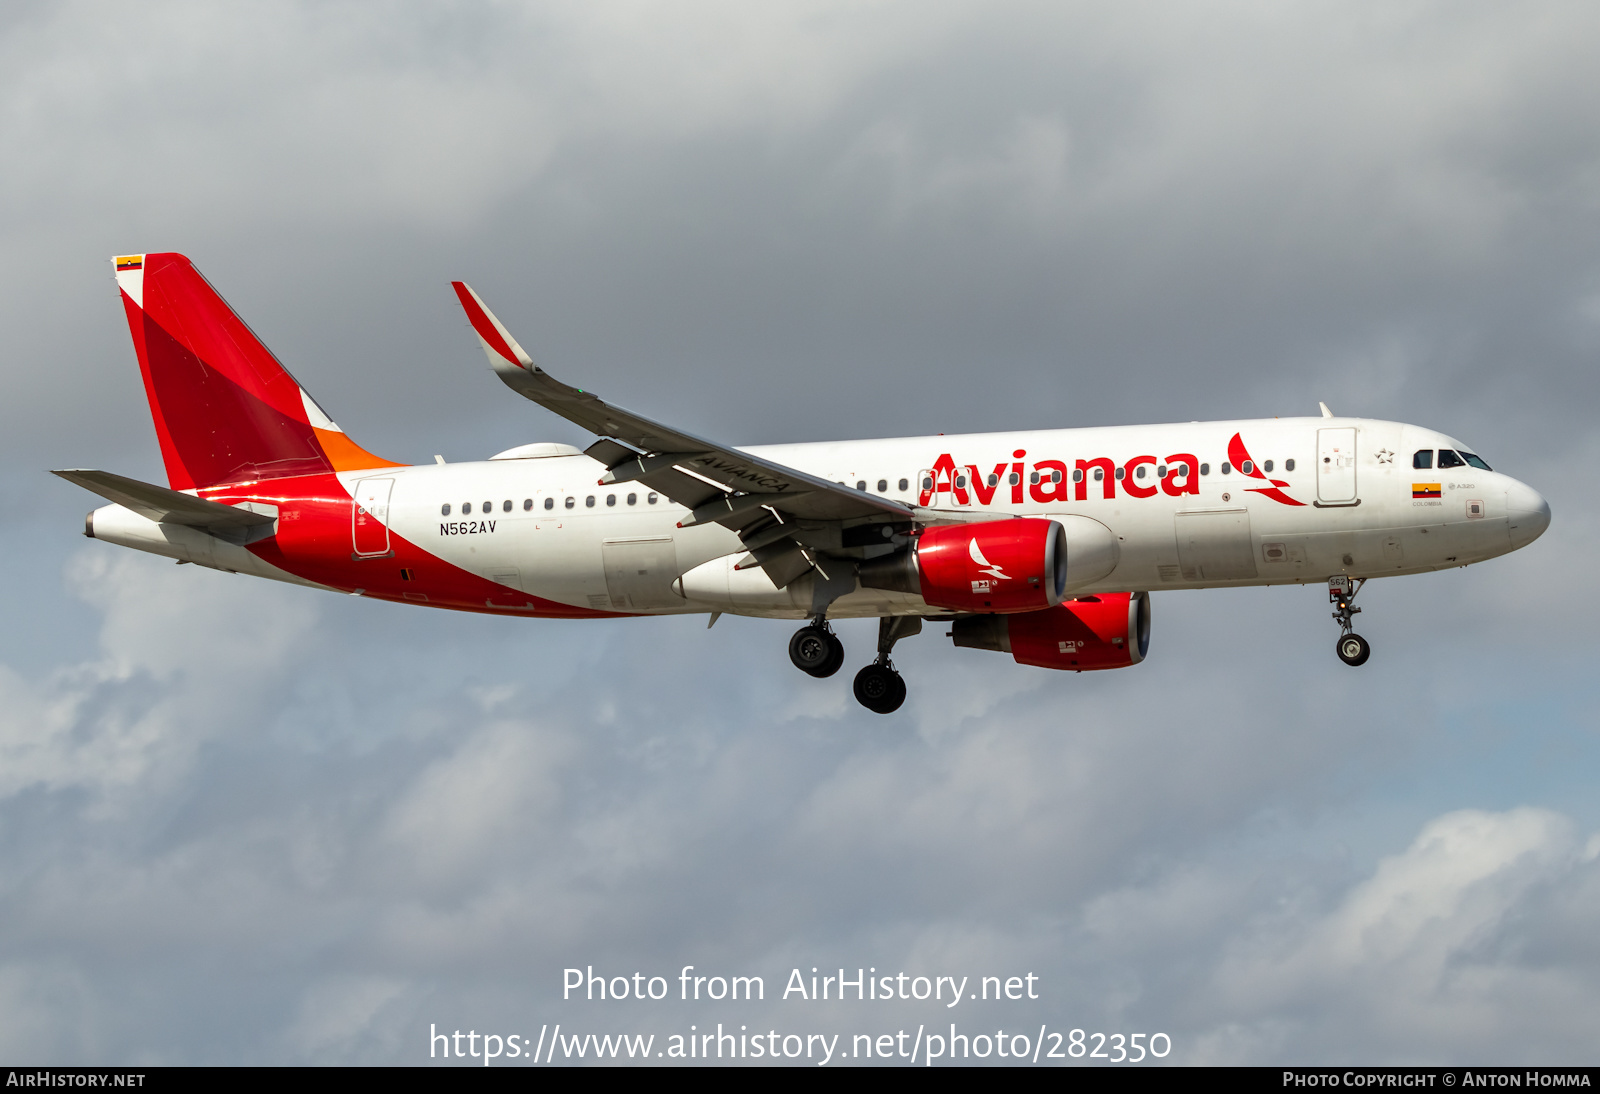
point(1326, 413)
point(501, 349)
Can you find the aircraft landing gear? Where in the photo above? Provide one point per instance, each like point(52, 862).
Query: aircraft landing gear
point(1352, 648)
point(816, 650)
point(878, 687)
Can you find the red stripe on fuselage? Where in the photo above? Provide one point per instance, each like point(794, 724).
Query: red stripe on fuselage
point(314, 542)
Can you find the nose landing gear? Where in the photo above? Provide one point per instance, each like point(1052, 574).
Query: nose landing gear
point(1353, 650)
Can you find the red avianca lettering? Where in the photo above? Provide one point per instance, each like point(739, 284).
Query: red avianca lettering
point(1047, 481)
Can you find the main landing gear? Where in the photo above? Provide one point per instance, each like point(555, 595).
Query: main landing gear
point(1352, 648)
point(878, 687)
point(816, 650)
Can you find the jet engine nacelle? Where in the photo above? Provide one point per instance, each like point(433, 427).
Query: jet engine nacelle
point(1024, 564)
point(1110, 631)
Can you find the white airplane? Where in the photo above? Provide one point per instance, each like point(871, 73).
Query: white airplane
point(1044, 544)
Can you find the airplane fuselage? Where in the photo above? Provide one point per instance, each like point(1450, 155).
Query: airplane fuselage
point(537, 535)
point(1044, 544)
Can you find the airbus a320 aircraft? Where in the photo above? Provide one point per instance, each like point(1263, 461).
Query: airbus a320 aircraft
point(1044, 544)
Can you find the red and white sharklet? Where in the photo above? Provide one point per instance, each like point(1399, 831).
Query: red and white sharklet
point(656, 520)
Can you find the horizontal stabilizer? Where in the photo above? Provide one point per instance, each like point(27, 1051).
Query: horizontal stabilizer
point(162, 505)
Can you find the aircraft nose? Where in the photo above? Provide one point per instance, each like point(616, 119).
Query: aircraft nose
point(1529, 513)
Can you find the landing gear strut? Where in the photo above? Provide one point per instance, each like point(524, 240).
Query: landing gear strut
point(816, 650)
point(878, 687)
point(1352, 648)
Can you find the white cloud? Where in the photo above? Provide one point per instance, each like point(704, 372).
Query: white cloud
point(183, 656)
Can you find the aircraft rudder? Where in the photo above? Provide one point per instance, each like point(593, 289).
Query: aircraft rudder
point(225, 409)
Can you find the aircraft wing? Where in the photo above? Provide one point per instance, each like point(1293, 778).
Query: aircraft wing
point(754, 496)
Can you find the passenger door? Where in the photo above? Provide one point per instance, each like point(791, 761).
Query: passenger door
point(1336, 466)
point(369, 518)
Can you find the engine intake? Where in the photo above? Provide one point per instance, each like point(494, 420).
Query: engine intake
point(1111, 631)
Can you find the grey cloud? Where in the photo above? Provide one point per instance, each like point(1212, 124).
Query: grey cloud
point(250, 822)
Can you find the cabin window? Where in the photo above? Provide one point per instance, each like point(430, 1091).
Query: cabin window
point(1247, 467)
point(527, 503)
point(1013, 478)
point(1475, 461)
point(927, 484)
point(1099, 474)
point(1205, 469)
point(1161, 471)
point(961, 481)
point(904, 485)
point(1139, 472)
point(588, 502)
point(466, 508)
point(862, 486)
point(1423, 460)
point(1448, 458)
point(444, 510)
point(633, 499)
point(488, 507)
point(1267, 467)
point(1055, 476)
point(611, 499)
point(1226, 467)
point(1288, 465)
point(1077, 475)
point(549, 503)
point(505, 507)
point(994, 480)
point(883, 486)
point(570, 502)
point(651, 498)
point(1033, 479)
point(1120, 473)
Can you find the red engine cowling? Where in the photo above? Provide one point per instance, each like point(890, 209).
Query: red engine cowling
point(1017, 565)
point(1111, 631)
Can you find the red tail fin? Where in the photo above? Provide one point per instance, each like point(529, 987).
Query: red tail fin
point(225, 410)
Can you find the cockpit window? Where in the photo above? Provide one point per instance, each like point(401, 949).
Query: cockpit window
point(1423, 460)
point(1447, 458)
point(1476, 462)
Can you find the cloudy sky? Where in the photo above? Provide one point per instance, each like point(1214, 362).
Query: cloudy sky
point(242, 822)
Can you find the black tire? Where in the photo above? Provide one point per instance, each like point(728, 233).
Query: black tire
point(1353, 649)
point(880, 689)
point(816, 651)
point(835, 659)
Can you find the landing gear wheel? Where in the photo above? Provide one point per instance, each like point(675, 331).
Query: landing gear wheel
point(835, 659)
point(1353, 649)
point(880, 689)
point(816, 651)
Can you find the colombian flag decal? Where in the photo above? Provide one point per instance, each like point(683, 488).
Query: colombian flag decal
point(1426, 490)
point(130, 262)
